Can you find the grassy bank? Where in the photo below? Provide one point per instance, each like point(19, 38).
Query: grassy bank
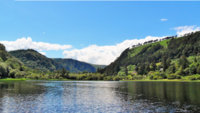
point(142, 80)
point(12, 79)
point(24, 79)
point(163, 80)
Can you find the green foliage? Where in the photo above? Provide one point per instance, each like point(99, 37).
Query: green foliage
point(173, 76)
point(3, 55)
point(62, 73)
point(123, 71)
point(183, 62)
point(86, 76)
point(131, 67)
point(164, 43)
point(3, 70)
point(173, 57)
point(193, 77)
point(138, 77)
point(171, 69)
point(156, 75)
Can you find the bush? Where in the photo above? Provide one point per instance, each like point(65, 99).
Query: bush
point(110, 78)
point(137, 77)
point(129, 77)
point(194, 77)
point(156, 75)
point(12, 73)
point(173, 76)
point(20, 74)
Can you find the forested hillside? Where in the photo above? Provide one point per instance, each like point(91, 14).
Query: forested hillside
point(74, 65)
point(34, 60)
point(37, 61)
point(171, 57)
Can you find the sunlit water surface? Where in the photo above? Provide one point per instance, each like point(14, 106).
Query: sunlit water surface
point(99, 97)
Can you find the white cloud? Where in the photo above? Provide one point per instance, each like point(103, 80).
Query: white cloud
point(103, 54)
point(163, 19)
point(182, 30)
point(28, 43)
point(93, 53)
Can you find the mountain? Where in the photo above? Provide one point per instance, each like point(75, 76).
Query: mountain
point(171, 55)
point(74, 65)
point(35, 60)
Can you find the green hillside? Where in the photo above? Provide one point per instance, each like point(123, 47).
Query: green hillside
point(37, 61)
point(34, 60)
point(74, 65)
point(173, 56)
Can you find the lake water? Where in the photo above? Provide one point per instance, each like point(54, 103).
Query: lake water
point(99, 97)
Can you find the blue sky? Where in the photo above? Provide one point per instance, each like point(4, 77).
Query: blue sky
point(82, 24)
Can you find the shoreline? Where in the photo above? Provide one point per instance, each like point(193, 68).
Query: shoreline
point(164, 80)
point(146, 80)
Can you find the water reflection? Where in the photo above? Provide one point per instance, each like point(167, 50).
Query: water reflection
point(84, 96)
point(182, 92)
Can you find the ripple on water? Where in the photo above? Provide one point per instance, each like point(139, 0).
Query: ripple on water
point(92, 97)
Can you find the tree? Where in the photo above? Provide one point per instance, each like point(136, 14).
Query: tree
point(147, 68)
point(183, 62)
point(172, 69)
point(180, 71)
point(141, 69)
point(3, 55)
point(164, 63)
point(3, 71)
point(192, 69)
point(198, 70)
point(153, 66)
point(64, 73)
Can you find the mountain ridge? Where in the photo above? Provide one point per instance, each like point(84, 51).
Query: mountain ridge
point(144, 57)
point(33, 59)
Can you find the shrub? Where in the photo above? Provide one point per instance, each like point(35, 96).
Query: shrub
point(20, 74)
point(110, 78)
point(156, 75)
point(12, 73)
point(137, 77)
point(194, 77)
point(173, 76)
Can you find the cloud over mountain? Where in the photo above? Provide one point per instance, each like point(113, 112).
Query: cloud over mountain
point(103, 54)
point(181, 30)
point(28, 43)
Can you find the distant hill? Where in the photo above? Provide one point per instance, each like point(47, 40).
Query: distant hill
point(178, 55)
point(98, 66)
point(74, 65)
point(35, 60)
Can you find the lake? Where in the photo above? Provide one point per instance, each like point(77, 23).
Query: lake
point(99, 97)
